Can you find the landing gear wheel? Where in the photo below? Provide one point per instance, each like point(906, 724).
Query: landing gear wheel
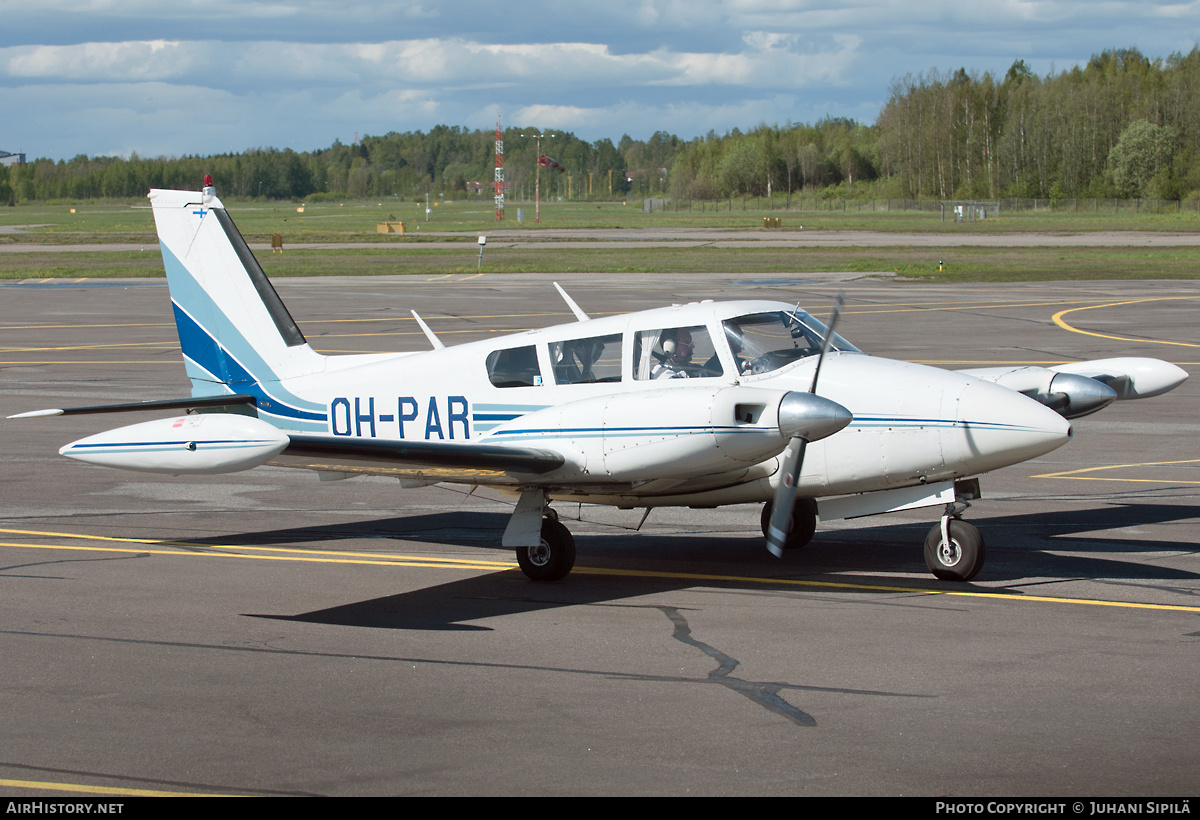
point(959, 560)
point(802, 526)
point(553, 558)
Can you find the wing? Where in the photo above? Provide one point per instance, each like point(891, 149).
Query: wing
point(420, 460)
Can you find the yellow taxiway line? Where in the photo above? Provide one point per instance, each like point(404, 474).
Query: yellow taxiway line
point(1078, 475)
point(334, 557)
point(79, 788)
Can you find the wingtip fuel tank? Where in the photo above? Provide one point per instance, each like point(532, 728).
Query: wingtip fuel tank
point(185, 445)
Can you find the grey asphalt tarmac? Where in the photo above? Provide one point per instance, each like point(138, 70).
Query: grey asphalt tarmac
point(267, 633)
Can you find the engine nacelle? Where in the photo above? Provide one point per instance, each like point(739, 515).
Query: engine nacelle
point(1081, 388)
point(676, 432)
point(195, 444)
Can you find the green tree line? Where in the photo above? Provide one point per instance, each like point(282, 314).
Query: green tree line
point(1121, 126)
point(446, 160)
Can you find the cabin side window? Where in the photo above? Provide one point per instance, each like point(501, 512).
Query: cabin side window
point(675, 353)
point(587, 361)
point(515, 367)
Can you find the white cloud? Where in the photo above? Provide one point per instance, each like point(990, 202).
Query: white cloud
point(156, 59)
point(204, 76)
point(423, 63)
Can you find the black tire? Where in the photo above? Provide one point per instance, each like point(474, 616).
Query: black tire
point(551, 560)
point(961, 559)
point(801, 528)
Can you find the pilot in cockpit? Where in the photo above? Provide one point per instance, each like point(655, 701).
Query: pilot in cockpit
point(677, 348)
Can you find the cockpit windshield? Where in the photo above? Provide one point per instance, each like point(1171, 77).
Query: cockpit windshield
point(762, 342)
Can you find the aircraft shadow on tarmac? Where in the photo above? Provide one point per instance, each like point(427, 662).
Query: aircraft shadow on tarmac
point(1020, 546)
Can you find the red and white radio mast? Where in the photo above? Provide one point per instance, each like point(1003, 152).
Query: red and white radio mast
point(499, 183)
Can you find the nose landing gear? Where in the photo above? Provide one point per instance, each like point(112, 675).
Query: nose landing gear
point(954, 549)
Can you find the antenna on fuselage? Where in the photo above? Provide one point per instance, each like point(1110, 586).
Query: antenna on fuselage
point(429, 334)
point(579, 314)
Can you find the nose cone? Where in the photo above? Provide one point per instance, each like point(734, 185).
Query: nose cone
point(810, 417)
point(997, 427)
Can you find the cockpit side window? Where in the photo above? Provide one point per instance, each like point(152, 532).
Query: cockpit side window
point(587, 361)
point(675, 353)
point(515, 367)
point(762, 342)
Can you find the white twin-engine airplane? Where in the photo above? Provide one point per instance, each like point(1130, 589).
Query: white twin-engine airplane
point(696, 405)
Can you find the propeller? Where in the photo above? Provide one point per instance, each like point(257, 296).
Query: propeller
point(803, 417)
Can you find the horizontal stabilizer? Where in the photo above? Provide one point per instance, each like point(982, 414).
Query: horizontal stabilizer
point(195, 403)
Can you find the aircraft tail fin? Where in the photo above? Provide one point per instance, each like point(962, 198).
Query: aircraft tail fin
point(236, 334)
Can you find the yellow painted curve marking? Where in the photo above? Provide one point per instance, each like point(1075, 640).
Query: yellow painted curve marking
point(40, 785)
point(1058, 320)
point(458, 563)
point(1078, 474)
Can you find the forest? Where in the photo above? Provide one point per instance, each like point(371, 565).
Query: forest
point(1122, 126)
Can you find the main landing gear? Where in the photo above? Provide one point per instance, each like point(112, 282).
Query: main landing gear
point(551, 559)
point(545, 548)
point(801, 527)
